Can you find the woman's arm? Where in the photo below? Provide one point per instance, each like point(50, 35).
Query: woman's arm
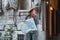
point(36, 19)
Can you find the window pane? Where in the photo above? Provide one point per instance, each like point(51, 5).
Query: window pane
point(0, 4)
point(22, 7)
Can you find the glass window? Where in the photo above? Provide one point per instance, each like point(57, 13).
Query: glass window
point(22, 7)
point(0, 4)
point(0, 7)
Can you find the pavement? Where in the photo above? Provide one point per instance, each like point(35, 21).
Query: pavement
point(54, 38)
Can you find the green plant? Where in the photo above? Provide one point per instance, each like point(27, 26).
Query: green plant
point(0, 34)
point(9, 32)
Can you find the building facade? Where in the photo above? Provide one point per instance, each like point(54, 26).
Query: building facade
point(14, 12)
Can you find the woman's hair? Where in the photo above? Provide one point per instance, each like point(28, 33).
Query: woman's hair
point(32, 10)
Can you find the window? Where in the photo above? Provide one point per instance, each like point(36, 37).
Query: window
point(0, 4)
point(22, 4)
point(0, 7)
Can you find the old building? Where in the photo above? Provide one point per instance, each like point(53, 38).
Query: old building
point(13, 12)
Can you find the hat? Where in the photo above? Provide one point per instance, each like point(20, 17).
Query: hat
point(32, 9)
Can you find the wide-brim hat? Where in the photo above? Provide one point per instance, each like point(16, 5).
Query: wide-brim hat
point(32, 9)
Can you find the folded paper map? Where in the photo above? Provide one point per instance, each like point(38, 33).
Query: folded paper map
point(27, 26)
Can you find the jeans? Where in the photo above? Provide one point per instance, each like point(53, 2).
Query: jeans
point(31, 36)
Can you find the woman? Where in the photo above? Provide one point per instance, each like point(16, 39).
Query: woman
point(32, 14)
point(32, 35)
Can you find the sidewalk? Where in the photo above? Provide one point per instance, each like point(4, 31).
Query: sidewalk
point(41, 35)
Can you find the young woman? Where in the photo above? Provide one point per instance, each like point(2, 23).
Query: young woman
point(32, 14)
point(32, 35)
